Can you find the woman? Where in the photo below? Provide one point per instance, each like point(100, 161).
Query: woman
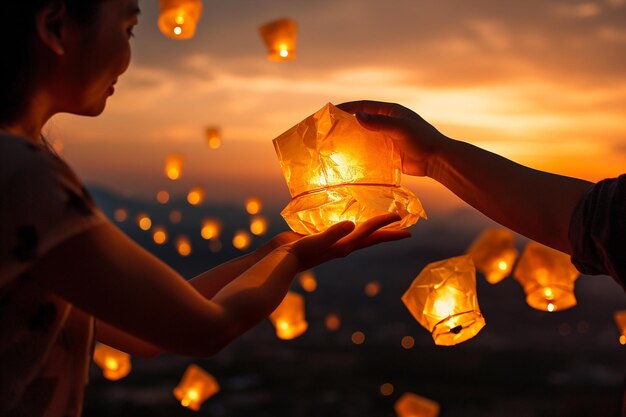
point(64, 268)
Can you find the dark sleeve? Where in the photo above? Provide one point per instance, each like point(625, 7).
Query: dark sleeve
point(597, 230)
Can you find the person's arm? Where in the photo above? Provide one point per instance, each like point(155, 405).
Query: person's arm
point(536, 204)
point(147, 306)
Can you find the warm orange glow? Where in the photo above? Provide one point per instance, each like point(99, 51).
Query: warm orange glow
point(183, 246)
point(620, 320)
point(413, 405)
point(289, 317)
point(144, 221)
point(213, 137)
point(159, 235)
point(494, 253)
point(163, 197)
point(178, 18)
point(195, 196)
point(173, 166)
point(358, 338)
point(407, 342)
point(372, 288)
point(307, 281)
point(622, 340)
point(258, 225)
point(386, 389)
point(241, 240)
point(115, 364)
point(211, 228)
point(253, 205)
point(280, 38)
point(195, 387)
point(175, 216)
point(333, 322)
point(120, 215)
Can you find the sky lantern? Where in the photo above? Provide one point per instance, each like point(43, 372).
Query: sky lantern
point(241, 240)
point(620, 319)
point(289, 317)
point(494, 253)
point(159, 235)
point(183, 246)
point(280, 38)
point(195, 387)
point(442, 298)
point(413, 405)
point(115, 364)
point(173, 166)
point(253, 205)
point(307, 281)
point(337, 170)
point(258, 225)
point(144, 222)
point(213, 137)
point(178, 18)
point(211, 228)
point(547, 277)
point(195, 196)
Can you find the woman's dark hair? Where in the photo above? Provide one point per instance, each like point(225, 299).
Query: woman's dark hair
point(18, 37)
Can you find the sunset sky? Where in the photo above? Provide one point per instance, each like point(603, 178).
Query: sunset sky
point(541, 82)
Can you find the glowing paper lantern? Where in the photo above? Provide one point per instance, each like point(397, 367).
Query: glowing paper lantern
point(173, 166)
point(413, 405)
point(307, 281)
point(253, 205)
point(442, 298)
point(494, 254)
point(195, 387)
point(178, 18)
point(144, 222)
point(620, 319)
point(213, 137)
point(337, 170)
point(115, 364)
point(195, 196)
point(280, 38)
point(547, 277)
point(241, 240)
point(289, 317)
point(258, 225)
point(211, 228)
point(183, 246)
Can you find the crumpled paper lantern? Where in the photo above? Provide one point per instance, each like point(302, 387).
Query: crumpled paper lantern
point(280, 39)
point(195, 387)
point(494, 254)
point(178, 18)
point(413, 405)
point(547, 276)
point(289, 317)
point(337, 170)
point(442, 298)
point(115, 364)
point(620, 319)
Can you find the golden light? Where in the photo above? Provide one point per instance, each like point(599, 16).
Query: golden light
point(337, 170)
point(195, 387)
point(195, 196)
point(547, 277)
point(258, 225)
point(358, 338)
point(211, 228)
point(163, 197)
point(120, 215)
point(386, 389)
point(213, 137)
point(280, 39)
point(620, 320)
point(159, 235)
point(407, 342)
point(494, 253)
point(442, 298)
point(307, 281)
point(178, 18)
point(183, 246)
point(175, 216)
point(253, 205)
point(413, 405)
point(115, 364)
point(173, 166)
point(372, 288)
point(289, 317)
point(144, 222)
point(241, 240)
point(332, 321)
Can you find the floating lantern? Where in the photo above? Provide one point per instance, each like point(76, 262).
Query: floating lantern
point(178, 18)
point(173, 166)
point(372, 288)
point(195, 196)
point(241, 240)
point(620, 319)
point(253, 205)
point(413, 405)
point(183, 246)
point(333, 322)
point(494, 254)
point(195, 387)
point(289, 318)
point(442, 298)
point(115, 364)
point(211, 228)
point(337, 170)
point(307, 281)
point(280, 38)
point(258, 225)
point(144, 222)
point(547, 276)
point(163, 197)
point(213, 137)
point(159, 235)
point(120, 215)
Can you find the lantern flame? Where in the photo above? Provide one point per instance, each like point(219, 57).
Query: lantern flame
point(195, 387)
point(178, 18)
point(280, 38)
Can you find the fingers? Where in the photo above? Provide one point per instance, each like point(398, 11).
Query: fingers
point(328, 237)
point(368, 106)
point(381, 236)
point(370, 226)
point(378, 122)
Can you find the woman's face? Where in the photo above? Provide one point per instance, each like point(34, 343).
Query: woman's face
point(95, 55)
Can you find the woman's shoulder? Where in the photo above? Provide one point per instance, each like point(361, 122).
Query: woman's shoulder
point(18, 154)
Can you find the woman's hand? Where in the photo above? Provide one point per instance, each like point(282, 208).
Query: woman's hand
point(416, 138)
point(342, 239)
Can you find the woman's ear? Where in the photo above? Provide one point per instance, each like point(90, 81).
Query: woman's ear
point(49, 24)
